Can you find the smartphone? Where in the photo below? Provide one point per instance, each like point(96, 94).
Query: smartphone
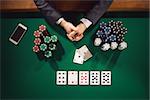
point(18, 34)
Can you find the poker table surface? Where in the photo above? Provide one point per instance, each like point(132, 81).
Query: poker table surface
point(25, 76)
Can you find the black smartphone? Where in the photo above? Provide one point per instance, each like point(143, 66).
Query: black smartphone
point(18, 34)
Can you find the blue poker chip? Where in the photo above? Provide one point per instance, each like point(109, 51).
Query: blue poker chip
point(112, 38)
point(99, 33)
point(102, 25)
point(103, 37)
point(107, 40)
point(107, 30)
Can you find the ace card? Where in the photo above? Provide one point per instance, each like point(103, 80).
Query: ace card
point(78, 57)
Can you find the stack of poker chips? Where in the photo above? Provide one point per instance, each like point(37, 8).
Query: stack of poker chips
point(45, 43)
point(111, 36)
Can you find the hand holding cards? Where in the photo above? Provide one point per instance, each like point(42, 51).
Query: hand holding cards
point(82, 54)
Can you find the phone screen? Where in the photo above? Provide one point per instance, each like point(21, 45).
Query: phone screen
point(18, 34)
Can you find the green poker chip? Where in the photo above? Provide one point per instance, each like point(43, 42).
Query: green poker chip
point(48, 54)
point(43, 47)
point(52, 46)
point(47, 39)
point(54, 38)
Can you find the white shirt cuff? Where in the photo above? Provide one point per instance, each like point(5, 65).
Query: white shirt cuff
point(86, 22)
point(59, 20)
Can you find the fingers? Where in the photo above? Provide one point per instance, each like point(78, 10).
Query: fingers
point(79, 37)
point(71, 35)
point(70, 27)
point(73, 28)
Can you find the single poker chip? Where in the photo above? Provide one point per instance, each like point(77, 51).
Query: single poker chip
point(54, 38)
point(48, 54)
point(123, 45)
point(113, 45)
point(116, 30)
point(105, 47)
point(107, 40)
point(120, 39)
point(102, 25)
point(99, 33)
point(111, 24)
point(52, 46)
point(37, 41)
point(112, 38)
point(107, 30)
point(43, 47)
point(47, 39)
point(119, 23)
point(37, 33)
point(104, 37)
point(42, 28)
point(97, 41)
point(120, 35)
point(36, 49)
point(123, 30)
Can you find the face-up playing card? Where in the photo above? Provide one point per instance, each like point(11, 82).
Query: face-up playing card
point(105, 77)
point(61, 78)
point(78, 57)
point(94, 77)
point(83, 77)
point(85, 52)
point(72, 77)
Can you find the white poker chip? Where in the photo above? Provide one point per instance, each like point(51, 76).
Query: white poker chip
point(113, 45)
point(122, 45)
point(105, 46)
point(97, 41)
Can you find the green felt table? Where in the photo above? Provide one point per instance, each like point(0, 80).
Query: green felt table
point(24, 76)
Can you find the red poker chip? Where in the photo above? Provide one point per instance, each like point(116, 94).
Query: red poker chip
point(36, 49)
point(37, 33)
point(42, 28)
point(37, 41)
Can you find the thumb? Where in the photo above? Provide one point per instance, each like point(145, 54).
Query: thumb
point(72, 34)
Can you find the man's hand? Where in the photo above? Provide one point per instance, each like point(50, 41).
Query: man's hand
point(79, 32)
point(73, 33)
point(69, 28)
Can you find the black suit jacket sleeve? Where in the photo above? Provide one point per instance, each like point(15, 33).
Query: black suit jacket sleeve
point(98, 10)
point(48, 12)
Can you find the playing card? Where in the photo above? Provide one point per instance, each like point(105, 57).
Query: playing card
point(72, 77)
point(83, 77)
point(61, 78)
point(85, 52)
point(94, 77)
point(78, 57)
point(105, 77)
